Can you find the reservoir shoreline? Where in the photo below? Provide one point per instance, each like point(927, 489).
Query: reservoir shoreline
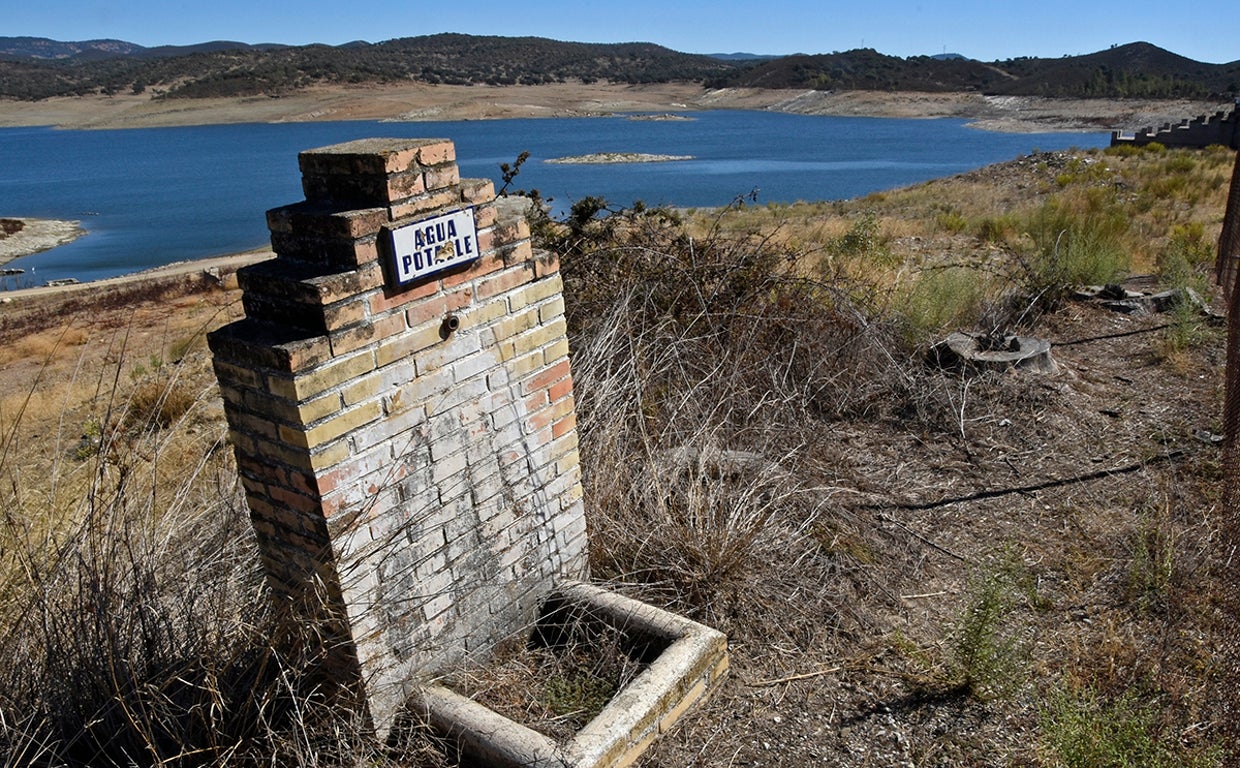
point(418, 102)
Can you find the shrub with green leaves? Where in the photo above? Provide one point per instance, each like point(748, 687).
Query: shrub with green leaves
point(988, 657)
point(1075, 242)
point(1082, 729)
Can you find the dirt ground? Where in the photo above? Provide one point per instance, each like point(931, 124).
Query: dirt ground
point(1054, 477)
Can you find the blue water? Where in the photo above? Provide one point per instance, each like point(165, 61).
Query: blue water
point(154, 196)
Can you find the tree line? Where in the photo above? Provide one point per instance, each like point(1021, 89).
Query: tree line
point(1136, 70)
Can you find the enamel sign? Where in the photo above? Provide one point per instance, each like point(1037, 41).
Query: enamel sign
point(433, 245)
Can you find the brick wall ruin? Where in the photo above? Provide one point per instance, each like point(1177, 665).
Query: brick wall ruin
point(1221, 128)
point(408, 451)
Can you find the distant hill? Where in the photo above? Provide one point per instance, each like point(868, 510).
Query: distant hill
point(41, 48)
point(743, 56)
point(39, 68)
point(1133, 70)
point(30, 71)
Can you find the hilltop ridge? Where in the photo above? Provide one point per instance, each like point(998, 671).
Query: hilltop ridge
point(40, 68)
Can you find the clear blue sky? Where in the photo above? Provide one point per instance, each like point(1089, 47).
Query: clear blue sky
point(1207, 30)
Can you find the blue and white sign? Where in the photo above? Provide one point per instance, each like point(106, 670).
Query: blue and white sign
point(433, 245)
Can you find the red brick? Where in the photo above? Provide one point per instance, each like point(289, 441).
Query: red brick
point(560, 389)
point(482, 267)
point(389, 298)
point(564, 425)
point(477, 191)
point(546, 263)
point(536, 401)
point(438, 307)
point(548, 376)
point(442, 177)
point(293, 500)
point(484, 216)
point(436, 151)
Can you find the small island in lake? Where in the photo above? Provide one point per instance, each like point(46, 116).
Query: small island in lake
point(662, 117)
point(617, 157)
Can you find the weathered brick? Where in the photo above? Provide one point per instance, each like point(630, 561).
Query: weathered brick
point(350, 339)
point(400, 347)
point(546, 264)
point(252, 425)
point(484, 214)
point(324, 457)
point(420, 444)
point(375, 157)
point(485, 265)
point(333, 374)
point(510, 230)
point(319, 221)
point(556, 350)
point(437, 307)
point(560, 389)
point(550, 310)
point(366, 388)
point(456, 347)
point(405, 211)
point(255, 344)
point(514, 324)
point(532, 293)
point(436, 151)
point(546, 377)
point(474, 365)
point(229, 374)
point(441, 176)
point(477, 191)
point(334, 427)
point(390, 298)
point(344, 315)
point(340, 253)
point(540, 337)
point(564, 425)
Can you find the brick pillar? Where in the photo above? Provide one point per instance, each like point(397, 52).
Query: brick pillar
point(408, 451)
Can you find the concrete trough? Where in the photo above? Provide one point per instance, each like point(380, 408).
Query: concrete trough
point(686, 661)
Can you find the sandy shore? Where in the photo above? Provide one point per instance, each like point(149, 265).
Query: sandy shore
point(422, 102)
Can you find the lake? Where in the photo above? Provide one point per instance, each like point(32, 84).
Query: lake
point(150, 197)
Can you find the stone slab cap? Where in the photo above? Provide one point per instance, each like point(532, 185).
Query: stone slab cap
point(371, 171)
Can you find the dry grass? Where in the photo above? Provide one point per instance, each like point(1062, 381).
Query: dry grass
point(763, 448)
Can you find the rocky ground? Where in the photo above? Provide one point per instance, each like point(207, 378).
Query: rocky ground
point(37, 235)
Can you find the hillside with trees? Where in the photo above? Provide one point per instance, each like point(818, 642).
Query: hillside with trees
point(1136, 70)
point(37, 68)
point(445, 58)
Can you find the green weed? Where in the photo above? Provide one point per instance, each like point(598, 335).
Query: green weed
point(988, 656)
point(1080, 729)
